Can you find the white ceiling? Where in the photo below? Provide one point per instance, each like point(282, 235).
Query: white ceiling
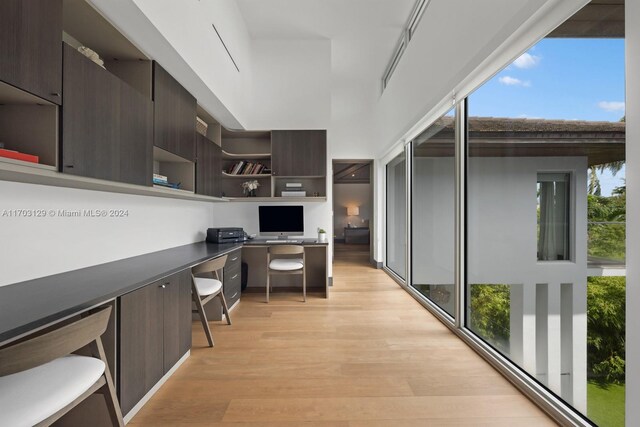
point(363, 35)
point(326, 19)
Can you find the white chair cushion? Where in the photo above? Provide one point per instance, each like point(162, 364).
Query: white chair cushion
point(31, 396)
point(206, 286)
point(284, 264)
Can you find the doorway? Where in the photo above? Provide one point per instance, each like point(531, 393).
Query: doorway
point(353, 207)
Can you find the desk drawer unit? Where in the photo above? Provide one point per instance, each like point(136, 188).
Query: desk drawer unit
point(233, 277)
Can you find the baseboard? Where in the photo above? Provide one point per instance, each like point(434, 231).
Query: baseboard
point(330, 280)
point(132, 413)
point(377, 264)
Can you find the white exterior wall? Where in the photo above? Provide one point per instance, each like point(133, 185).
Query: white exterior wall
point(548, 299)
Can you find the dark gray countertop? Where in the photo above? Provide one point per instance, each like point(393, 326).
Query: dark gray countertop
point(29, 305)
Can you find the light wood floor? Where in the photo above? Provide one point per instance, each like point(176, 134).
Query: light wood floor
point(368, 356)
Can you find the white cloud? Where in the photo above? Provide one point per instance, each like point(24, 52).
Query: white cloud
point(512, 81)
point(612, 106)
point(526, 60)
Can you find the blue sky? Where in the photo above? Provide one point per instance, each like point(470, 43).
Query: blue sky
point(569, 79)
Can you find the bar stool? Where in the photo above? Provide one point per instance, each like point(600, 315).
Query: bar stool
point(287, 264)
point(204, 289)
point(40, 380)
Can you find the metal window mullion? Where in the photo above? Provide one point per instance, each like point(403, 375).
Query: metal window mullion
point(408, 217)
point(460, 213)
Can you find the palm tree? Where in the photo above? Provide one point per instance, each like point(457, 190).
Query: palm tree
point(594, 182)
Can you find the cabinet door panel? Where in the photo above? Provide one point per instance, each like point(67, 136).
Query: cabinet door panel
point(90, 119)
point(208, 167)
point(136, 137)
point(299, 152)
point(31, 46)
point(174, 115)
point(141, 343)
point(177, 318)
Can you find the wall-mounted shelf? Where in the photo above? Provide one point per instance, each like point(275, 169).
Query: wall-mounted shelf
point(248, 156)
point(259, 175)
point(276, 199)
point(175, 168)
point(41, 176)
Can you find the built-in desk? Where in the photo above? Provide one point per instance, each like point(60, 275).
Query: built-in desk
point(28, 306)
point(316, 259)
point(149, 332)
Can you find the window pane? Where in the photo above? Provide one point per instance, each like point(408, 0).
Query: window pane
point(554, 196)
point(396, 215)
point(433, 213)
point(546, 213)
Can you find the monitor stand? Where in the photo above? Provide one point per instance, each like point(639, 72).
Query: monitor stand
point(283, 237)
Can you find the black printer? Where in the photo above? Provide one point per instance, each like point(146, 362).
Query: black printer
point(225, 235)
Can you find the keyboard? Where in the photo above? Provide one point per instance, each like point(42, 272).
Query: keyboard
point(284, 241)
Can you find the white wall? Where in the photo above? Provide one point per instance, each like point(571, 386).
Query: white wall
point(632, 25)
point(39, 246)
point(345, 195)
point(291, 84)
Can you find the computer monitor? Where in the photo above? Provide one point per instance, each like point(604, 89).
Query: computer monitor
point(281, 221)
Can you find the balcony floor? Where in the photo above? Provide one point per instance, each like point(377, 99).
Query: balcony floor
point(370, 355)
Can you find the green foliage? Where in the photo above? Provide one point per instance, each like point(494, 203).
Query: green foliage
point(606, 328)
point(606, 216)
point(490, 311)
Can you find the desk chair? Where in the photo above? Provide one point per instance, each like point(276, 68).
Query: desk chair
point(205, 289)
point(40, 380)
point(286, 265)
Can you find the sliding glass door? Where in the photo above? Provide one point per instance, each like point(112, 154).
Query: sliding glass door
point(546, 214)
point(433, 213)
point(396, 213)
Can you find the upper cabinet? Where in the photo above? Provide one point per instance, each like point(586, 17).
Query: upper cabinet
point(30, 46)
point(208, 167)
point(174, 115)
point(299, 153)
point(106, 124)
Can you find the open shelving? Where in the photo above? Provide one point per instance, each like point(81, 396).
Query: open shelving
point(28, 125)
point(175, 168)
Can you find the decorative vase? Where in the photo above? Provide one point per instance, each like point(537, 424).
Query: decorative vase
point(252, 193)
point(322, 237)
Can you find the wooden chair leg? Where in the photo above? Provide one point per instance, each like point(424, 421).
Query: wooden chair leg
point(268, 283)
point(304, 285)
point(113, 406)
point(203, 316)
point(224, 307)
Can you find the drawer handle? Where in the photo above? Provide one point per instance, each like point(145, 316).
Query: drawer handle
point(234, 295)
point(234, 277)
point(234, 259)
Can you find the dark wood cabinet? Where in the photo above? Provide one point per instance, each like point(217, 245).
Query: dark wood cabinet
point(208, 167)
point(90, 119)
point(136, 137)
point(299, 152)
point(30, 46)
point(177, 318)
point(155, 332)
point(106, 124)
point(174, 115)
point(141, 346)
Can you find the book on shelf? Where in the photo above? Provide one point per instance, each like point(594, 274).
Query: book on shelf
point(16, 155)
point(159, 178)
point(247, 168)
